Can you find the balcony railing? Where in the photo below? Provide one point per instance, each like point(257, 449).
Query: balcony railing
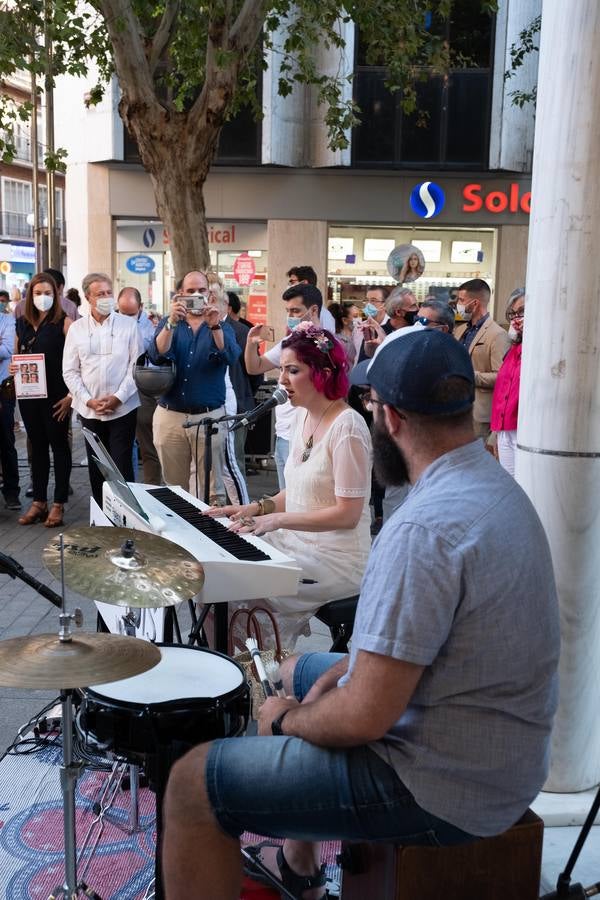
point(22, 148)
point(15, 225)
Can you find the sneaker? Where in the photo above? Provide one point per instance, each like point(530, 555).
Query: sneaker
point(29, 491)
point(11, 501)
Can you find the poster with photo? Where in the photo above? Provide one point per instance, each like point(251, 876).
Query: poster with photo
point(30, 377)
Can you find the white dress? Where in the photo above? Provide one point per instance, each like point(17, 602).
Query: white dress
point(339, 466)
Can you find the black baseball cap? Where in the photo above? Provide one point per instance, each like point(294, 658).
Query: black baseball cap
point(406, 371)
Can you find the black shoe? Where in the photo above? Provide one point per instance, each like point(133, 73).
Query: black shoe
point(29, 491)
point(11, 501)
point(70, 490)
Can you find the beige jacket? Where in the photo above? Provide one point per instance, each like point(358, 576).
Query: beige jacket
point(487, 351)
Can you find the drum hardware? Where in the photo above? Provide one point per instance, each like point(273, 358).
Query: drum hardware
point(194, 695)
point(564, 889)
point(109, 565)
point(122, 773)
point(69, 662)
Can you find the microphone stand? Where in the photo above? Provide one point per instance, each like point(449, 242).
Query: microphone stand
point(9, 566)
point(220, 609)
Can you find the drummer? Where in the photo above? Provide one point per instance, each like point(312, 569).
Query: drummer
point(436, 728)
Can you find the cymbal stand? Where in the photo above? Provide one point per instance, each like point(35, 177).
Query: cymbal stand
point(564, 889)
point(70, 769)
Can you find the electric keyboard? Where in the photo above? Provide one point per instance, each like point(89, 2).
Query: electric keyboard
point(236, 566)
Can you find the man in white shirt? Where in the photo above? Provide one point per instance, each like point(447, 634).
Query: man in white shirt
point(98, 364)
point(129, 303)
point(304, 303)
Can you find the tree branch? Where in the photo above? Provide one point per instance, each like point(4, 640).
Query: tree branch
point(127, 39)
point(164, 33)
point(248, 25)
point(219, 83)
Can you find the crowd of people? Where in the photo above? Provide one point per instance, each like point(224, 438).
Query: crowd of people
point(435, 728)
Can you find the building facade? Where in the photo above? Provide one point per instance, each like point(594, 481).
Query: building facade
point(452, 179)
point(17, 239)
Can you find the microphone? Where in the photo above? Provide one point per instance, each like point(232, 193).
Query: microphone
point(10, 566)
point(278, 397)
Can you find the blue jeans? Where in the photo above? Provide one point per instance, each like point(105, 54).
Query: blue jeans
point(287, 787)
point(282, 451)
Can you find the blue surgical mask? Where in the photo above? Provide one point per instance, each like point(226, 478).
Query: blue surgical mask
point(293, 322)
point(370, 309)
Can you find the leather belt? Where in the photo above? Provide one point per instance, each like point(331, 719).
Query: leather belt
point(189, 410)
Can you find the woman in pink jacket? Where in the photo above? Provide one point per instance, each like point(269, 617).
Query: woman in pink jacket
point(505, 402)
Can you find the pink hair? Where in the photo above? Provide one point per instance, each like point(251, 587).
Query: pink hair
point(328, 367)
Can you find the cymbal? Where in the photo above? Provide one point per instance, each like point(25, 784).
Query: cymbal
point(44, 661)
point(150, 574)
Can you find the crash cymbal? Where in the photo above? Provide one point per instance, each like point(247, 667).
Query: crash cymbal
point(125, 567)
point(44, 661)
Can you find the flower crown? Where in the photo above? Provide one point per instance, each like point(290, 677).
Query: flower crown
point(316, 335)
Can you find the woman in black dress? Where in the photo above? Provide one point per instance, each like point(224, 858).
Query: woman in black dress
point(42, 329)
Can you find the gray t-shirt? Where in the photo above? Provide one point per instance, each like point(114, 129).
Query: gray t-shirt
point(460, 581)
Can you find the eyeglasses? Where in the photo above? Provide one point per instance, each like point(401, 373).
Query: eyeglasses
point(429, 323)
point(369, 402)
point(515, 315)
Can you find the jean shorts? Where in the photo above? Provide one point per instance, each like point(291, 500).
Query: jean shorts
point(288, 788)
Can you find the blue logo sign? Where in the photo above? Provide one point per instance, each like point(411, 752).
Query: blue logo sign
point(427, 199)
point(149, 237)
point(140, 265)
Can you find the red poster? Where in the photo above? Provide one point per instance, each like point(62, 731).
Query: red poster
point(244, 270)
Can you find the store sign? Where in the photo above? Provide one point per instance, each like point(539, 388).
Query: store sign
point(140, 265)
point(22, 253)
point(427, 199)
point(496, 201)
point(244, 270)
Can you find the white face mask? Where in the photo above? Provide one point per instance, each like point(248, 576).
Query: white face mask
point(43, 302)
point(461, 310)
point(105, 305)
point(513, 334)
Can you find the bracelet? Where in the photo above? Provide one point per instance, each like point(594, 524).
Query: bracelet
point(266, 506)
point(215, 327)
point(170, 325)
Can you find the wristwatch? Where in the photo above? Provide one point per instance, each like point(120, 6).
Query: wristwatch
point(215, 327)
point(169, 325)
point(276, 728)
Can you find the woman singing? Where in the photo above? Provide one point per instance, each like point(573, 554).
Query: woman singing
point(322, 517)
point(42, 329)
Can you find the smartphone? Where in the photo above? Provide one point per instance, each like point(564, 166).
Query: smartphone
point(267, 333)
point(195, 301)
point(369, 334)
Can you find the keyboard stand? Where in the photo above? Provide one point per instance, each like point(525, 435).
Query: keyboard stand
point(197, 635)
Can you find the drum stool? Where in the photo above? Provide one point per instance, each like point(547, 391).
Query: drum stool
point(339, 618)
point(506, 867)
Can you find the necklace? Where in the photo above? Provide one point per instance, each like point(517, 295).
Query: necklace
point(308, 445)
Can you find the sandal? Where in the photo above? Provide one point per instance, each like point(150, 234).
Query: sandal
point(292, 882)
point(55, 516)
point(37, 512)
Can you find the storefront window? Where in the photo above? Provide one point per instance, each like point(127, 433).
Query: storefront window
point(452, 255)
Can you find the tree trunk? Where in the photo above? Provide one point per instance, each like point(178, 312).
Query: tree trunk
point(178, 168)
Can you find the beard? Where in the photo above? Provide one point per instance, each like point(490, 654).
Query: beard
point(389, 462)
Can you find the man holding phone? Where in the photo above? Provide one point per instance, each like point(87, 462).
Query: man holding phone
point(202, 347)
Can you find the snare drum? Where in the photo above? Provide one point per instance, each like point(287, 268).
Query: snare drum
point(193, 695)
